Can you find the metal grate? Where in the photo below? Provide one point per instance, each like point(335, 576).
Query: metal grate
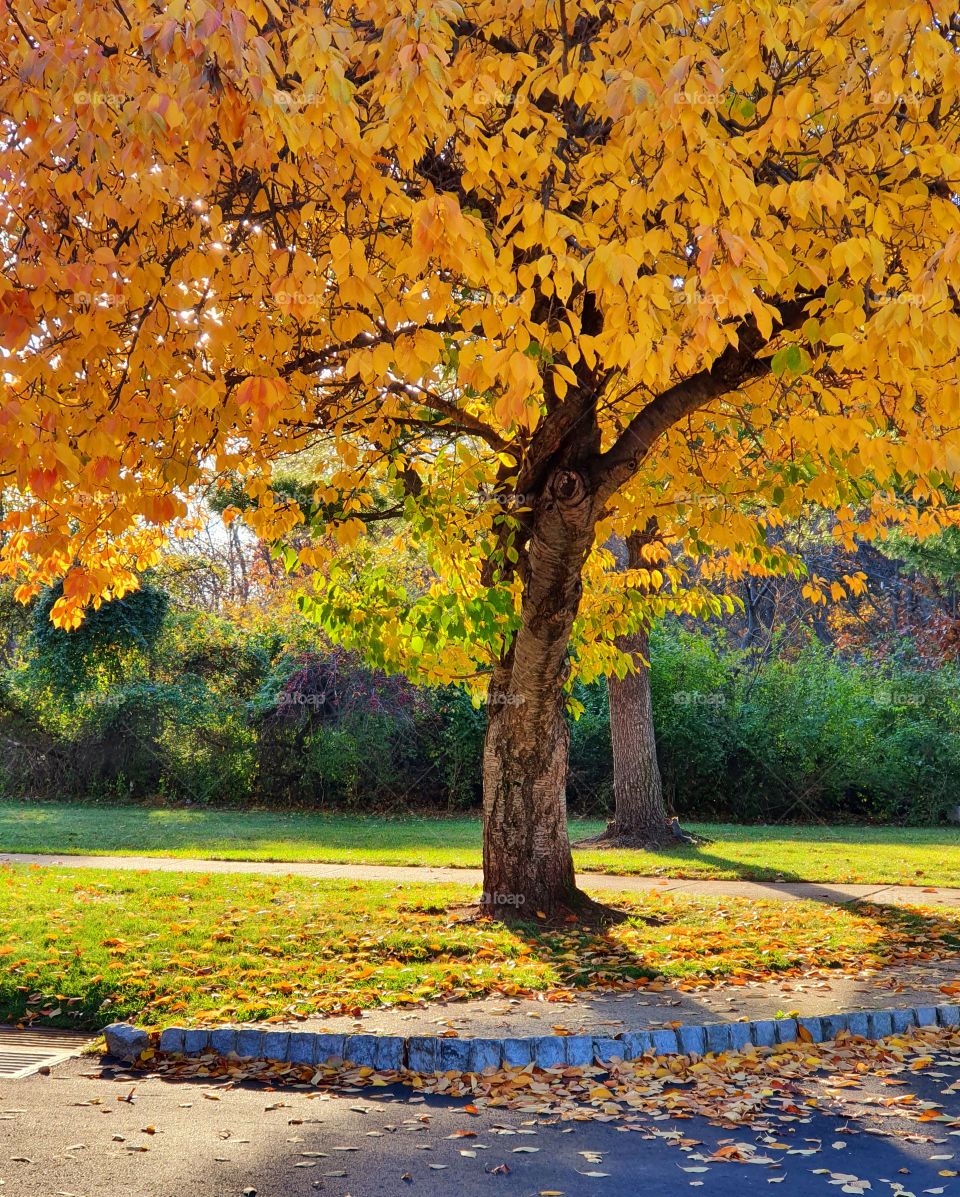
point(14, 1064)
point(22, 1052)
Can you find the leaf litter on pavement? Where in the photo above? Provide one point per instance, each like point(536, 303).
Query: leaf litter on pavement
point(770, 1093)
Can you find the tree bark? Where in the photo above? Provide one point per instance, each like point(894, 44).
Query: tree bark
point(527, 862)
point(640, 813)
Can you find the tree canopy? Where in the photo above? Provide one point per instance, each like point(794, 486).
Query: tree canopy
point(590, 262)
point(455, 239)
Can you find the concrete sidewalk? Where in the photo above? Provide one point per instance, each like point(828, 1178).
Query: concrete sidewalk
point(786, 891)
point(612, 1012)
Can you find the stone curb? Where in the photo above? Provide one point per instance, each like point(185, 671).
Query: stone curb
point(432, 1053)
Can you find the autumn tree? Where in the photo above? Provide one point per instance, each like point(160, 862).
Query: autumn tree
point(591, 261)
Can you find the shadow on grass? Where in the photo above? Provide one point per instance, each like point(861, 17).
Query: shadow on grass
point(588, 957)
point(600, 963)
point(779, 879)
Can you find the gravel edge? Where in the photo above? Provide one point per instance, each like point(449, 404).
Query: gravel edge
point(432, 1053)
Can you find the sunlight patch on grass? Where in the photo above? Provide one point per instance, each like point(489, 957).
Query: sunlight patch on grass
point(871, 855)
point(88, 947)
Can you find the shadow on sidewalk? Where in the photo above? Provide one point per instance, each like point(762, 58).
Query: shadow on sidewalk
point(885, 934)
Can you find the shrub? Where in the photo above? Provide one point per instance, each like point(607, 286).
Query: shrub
point(144, 739)
point(215, 651)
point(334, 732)
point(104, 646)
point(691, 683)
point(809, 735)
point(455, 746)
point(149, 702)
point(590, 778)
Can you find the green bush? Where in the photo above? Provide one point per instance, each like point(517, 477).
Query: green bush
point(454, 738)
point(810, 735)
point(106, 645)
point(151, 702)
point(332, 732)
point(140, 740)
point(691, 684)
point(138, 702)
point(363, 762)
point(216, 652)
point(590, 777)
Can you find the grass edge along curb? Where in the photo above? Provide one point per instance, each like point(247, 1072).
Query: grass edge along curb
point(433, 1053)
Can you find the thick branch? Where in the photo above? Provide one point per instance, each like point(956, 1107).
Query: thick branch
point(453, 418)
point(735, 366)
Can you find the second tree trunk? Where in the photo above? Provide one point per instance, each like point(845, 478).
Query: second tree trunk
point(640, 813)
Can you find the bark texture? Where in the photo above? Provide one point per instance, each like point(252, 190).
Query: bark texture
point(639, 809)
point(527, 863)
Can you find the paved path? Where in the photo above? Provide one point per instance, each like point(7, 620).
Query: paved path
point(610, 1012)
point(787, 891)
point(75, 1133)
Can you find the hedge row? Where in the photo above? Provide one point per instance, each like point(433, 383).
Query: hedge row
point(209, 714)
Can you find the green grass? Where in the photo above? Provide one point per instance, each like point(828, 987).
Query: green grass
point(918, 856)
point(86, 947)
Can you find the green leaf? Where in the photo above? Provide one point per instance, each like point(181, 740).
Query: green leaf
point(790, 362)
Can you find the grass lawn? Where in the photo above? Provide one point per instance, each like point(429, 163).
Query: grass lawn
point(912, 855)
point(86, 947)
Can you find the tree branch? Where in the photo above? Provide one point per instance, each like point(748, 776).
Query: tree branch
point(735, 366)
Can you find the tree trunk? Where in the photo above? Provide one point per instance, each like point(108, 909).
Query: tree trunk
point(527, 862)
point(640, 813)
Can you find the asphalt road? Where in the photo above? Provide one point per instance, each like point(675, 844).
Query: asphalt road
point(68, 1135)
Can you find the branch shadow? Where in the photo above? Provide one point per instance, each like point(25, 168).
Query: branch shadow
point(891, 935)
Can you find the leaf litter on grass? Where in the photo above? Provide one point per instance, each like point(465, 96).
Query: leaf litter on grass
point(85, 950)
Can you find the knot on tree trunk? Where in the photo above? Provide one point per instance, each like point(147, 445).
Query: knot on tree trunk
point(567, 488)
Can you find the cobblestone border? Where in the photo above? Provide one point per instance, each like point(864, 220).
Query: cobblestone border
point(432, 1053)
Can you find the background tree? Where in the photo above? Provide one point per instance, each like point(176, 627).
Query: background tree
point(640, 813)
point(641, 817)
point(557, 254)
